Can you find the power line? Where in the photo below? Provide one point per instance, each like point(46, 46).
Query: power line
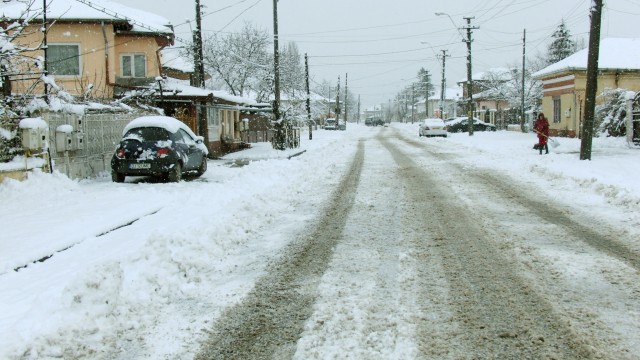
point(213, 12)
point(116, 15)
point(371, 54)
point(242, 12)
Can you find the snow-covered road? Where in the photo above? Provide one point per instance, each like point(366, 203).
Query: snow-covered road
point(372, 244)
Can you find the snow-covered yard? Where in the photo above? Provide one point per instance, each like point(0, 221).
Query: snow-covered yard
point(94, 269)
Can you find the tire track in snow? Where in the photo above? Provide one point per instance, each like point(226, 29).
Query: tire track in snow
point(268, 322)
point(45, 258)
point(581, 265)
point(549, 214)
point(378, 289)
point(497, 313)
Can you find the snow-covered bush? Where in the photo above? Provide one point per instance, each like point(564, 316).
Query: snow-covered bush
point(612, 112)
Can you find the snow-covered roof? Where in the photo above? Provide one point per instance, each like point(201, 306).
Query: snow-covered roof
point(302, 96)
point(449, 94)
point(500, 73)
point(224, 95)
point(101, 10)
point(614, 54)
point(173, 58)
point(182, 88)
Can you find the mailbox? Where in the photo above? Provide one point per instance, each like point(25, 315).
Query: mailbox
point(64, 140)
point(35, 133)
point(77, 140)
point(34, 138)
point(79, 124)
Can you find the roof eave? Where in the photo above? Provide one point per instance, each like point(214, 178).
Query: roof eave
point(555, 73)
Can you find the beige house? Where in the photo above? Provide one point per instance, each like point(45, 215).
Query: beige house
point(97, 49)
point(564, 83)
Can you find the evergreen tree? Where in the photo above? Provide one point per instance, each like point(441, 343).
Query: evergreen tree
point(424, 84)
point(562, 45)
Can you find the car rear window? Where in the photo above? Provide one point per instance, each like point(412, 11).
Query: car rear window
point(148, 134)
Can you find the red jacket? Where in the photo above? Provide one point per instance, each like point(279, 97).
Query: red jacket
point(541, 127)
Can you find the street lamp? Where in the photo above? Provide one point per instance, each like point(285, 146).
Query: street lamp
point(453, 22)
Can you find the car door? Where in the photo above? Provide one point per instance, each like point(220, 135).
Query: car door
point(194, 154)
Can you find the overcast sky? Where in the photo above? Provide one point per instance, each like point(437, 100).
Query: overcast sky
point(381, 44)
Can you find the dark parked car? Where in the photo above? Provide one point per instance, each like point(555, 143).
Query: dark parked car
point(158, 146)
point(460, 124)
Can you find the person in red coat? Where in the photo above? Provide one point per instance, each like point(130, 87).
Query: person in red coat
point(541, 127)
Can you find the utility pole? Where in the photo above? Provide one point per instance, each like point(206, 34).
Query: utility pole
point(443, 85)
point(358, 118)
point(198, 52)
point(44, 46)
point(346, 92)
point(426, 95)
point(406, 105)
point(337, 109)
point(279, 143)
point(413, 101)
point(592, 80)
point(329, 100)
point(306, 71)
point(469, 76)
point(524, 45)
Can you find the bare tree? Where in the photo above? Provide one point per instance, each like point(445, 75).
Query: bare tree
point(16, 61)
point(292, 75)
point(240, 60)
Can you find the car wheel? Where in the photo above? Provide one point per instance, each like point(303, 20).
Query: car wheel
point(203, 166)
point(117, 177)
point(175, 174)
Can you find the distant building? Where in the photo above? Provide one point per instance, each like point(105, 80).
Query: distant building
point(449, 107)
point(489, 104)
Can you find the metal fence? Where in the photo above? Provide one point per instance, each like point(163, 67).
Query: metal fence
point(99, 134)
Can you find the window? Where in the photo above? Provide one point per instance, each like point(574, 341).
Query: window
point(212, 117)
point(186, 138)
point(148, 134)
point(63, 59)
point(556, 109)
point(134, 65)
